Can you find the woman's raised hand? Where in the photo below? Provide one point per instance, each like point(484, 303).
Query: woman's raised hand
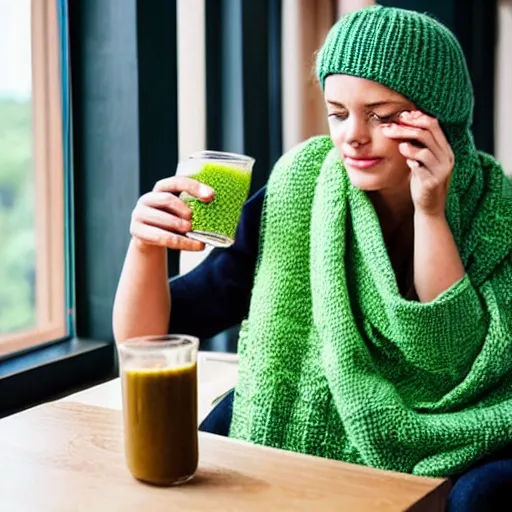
point(431, 161)
point(161, 219)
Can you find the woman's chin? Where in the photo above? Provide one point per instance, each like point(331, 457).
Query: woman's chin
point(368, 183)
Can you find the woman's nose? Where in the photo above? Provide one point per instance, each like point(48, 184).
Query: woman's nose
point(356, 132)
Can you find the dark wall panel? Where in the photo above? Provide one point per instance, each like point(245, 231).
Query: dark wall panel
point(123, 55)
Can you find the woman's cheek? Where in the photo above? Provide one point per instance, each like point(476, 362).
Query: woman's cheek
point(336, 131)
point(388, 146)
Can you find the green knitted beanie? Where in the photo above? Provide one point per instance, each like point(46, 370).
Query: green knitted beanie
point(407, 51)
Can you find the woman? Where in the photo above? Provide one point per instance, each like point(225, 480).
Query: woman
point(373, 274)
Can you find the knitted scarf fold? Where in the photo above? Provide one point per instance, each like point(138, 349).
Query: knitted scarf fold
point(335, 363)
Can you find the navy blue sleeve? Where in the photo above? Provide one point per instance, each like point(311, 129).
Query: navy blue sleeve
point(215, 295)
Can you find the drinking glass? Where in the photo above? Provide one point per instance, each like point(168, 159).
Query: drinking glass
point(229, 175)
point(159, 388)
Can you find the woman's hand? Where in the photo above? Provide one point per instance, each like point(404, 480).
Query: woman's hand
point(429, 156)
point(161, 219)
point(437, 263)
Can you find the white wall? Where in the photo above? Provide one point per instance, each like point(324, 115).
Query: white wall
point(346, 6)
point(503, 105)
point(191, 94)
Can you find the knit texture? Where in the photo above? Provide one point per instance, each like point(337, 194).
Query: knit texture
point(335, 363)
point(408, 52)
point(420, 58)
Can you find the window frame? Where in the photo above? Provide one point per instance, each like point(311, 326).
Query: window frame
point(48, 162)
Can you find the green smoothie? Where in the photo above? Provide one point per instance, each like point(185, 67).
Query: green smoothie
point(220, 216)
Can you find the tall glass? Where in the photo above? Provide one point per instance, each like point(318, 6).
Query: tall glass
point(159, 387)
point(229, 175)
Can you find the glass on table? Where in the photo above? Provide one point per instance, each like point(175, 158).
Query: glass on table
point(159, 388)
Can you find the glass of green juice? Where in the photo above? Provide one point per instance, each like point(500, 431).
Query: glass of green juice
point(159, 388)
point(229, 175)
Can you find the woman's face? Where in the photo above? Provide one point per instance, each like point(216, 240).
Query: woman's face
point(357, 109)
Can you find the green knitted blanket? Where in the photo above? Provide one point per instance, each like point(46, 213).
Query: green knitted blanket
point(335, 363)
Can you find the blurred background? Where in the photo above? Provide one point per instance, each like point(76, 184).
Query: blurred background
point(100, 98)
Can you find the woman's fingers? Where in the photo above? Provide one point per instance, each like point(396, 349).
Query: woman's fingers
point(429, 156)
point(167, 202)
point(178, 184)
point(153, 235)
point(420, 171)
point(409, 133)
point(418, 119)
point(161, 219)
point(422, 156)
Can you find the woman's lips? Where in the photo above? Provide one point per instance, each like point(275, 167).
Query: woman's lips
point(361, 163)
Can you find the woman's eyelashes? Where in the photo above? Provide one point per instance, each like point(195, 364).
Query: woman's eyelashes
point(390, 118)
point(372, 117)
point(336, 116)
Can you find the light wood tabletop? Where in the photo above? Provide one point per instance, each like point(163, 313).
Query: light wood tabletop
point(68, 457)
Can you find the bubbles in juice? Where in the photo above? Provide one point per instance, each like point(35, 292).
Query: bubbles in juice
point(221, 215)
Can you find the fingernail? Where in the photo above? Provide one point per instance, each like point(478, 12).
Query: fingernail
point(205, 191)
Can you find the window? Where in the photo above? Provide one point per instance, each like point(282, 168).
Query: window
point(32, 266)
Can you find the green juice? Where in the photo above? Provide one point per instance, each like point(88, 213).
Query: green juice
point(220, 216)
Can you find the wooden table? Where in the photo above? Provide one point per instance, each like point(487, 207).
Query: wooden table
point(68, 457)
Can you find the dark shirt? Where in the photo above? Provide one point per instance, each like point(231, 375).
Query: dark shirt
point(215, 295)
